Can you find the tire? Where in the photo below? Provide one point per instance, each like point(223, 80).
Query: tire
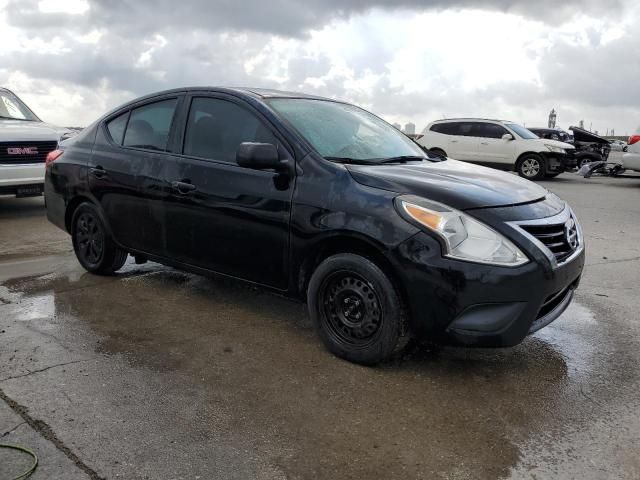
point(439, 152)
point(531, 167)
point(94, 248)
point(355, 309)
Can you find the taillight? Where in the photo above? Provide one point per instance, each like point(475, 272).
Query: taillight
point(633, 139)
point(52, 157)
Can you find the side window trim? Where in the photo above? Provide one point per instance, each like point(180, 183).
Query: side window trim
point(172, 128)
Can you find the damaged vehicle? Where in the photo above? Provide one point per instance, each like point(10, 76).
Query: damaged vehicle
point(498, 144)
point(25, 142)
point(552, 134)
point(322, 201)
point(589, 147)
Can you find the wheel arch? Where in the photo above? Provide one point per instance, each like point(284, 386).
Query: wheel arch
point(345, 242)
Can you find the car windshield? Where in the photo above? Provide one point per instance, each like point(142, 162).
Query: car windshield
point(12, 107)
point(343, 132)
point(522, 132)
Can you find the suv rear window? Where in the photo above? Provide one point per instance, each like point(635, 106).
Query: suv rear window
point(149, 125)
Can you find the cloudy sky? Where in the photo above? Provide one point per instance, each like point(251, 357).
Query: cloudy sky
point(406, 60)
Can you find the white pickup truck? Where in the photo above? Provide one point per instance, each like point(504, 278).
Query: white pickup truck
point(25, 141)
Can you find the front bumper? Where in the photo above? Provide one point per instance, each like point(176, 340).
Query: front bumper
point(462, 303)
point(25, 174)
point(558, 162)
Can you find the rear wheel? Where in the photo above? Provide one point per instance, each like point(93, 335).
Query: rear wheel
point(355, 308)
point(531, 167)
point(95, 249)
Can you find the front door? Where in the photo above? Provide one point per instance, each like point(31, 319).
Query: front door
point(221, 216)
point(492, 148)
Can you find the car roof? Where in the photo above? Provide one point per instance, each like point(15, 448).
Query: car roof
point(471, 119)
point(259, 93)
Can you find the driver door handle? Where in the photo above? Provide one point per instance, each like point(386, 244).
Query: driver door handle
point(183, 188)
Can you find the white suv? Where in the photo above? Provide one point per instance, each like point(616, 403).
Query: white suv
point(631, 159)
point(25, 142)
point(498, 144)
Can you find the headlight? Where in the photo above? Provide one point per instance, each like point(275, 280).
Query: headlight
point(554, 149)
point(465, 237)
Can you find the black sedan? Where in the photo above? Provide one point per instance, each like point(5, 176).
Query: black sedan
point(323, 201)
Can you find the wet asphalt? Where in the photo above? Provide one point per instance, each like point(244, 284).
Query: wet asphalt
point(159, 374)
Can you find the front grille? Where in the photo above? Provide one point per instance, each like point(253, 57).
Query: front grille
point(560, 238)
point(20, 153)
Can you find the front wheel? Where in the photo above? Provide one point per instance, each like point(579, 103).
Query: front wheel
point(355, 309)
point(93, 246)
point(531, 167)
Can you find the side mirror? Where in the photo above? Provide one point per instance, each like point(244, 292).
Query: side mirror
point(259, 156)
point(507, 137)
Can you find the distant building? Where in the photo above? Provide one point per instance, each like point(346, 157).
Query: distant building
point(552, 118)
point(581, 124)
point(398, 126)
point(410, 129)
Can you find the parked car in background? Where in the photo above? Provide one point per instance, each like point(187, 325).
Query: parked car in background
point(552, 134)
point(25, 141)
point(499, 144)
point(323, 201)
point(589, 146)
point(631, 159)
point(617, 145)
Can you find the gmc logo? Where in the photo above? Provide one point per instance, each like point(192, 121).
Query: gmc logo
point(22, 150)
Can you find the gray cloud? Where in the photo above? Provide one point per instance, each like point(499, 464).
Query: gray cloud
point(209, 41)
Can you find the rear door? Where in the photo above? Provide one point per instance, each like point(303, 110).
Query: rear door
point(492, 148)
point(126, 172)
point(464, 141)
point(221, 216)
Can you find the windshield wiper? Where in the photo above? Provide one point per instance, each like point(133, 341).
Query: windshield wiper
point(354, 161)
point(14, 118)
point(403, 159)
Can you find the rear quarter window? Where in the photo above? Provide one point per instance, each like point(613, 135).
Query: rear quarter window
point(116, 127)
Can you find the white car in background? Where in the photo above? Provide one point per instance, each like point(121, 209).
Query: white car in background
point(617, 145)
point(631, 159)
point(25, 142)
point(499, 144)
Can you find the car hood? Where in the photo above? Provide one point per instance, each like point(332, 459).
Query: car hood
point(457, 184)
point(555, 143)
point(581, 135)
point(22, 131)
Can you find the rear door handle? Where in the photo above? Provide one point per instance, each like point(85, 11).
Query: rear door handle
point(484, 143)
point(98, 171)
point(183, 187)
point(454, 141)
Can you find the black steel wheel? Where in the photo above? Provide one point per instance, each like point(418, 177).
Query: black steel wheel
point(355, 308)
point(90, 238)
point(351, 308)
point(94, 248)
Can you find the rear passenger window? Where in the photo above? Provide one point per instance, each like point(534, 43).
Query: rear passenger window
point(216, 128)
point(149, 125)
point(466, 129)
point(450, 128)
point(116, 127)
